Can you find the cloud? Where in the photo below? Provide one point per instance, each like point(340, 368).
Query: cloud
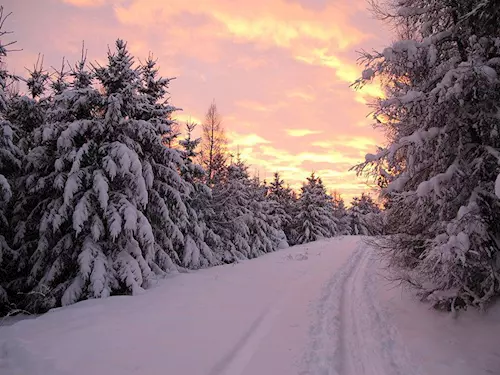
point(260, 107)
point(242, 140)
point(301, 132)
point(183, 118)
point(276, 22)
point(92, 3)
point(344, 71)
point(354, 142)
point(85, 3)
point(314, 35)
point(303, 95)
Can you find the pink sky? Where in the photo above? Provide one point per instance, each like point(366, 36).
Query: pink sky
point(279, 70)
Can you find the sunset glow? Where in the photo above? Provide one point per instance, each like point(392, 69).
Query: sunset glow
point(279, 70)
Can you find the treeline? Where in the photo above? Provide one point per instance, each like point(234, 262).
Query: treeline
point(100, 194)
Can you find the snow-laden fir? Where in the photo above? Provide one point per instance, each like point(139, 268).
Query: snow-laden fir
point(364, 216)
point(10, 162)
point(438, 174)
point(315, 217)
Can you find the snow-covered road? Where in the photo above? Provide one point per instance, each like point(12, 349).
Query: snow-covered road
point(321, 308)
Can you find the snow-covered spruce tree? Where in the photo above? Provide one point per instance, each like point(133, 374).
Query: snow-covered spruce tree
point(110, 195)
point(202, 244)
point(340, 212)
point(441, 168)
point(179, 239)
point(364, 216)
point(28, 112)
point(281, 206)
point(266, 233)
point(10, 163)
point(315, 217)
point(230, 207)
point(241, 217)
point(43, 213)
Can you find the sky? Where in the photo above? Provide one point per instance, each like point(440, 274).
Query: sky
point(278, 70)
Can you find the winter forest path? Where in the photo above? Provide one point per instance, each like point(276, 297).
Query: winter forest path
point(316, 309)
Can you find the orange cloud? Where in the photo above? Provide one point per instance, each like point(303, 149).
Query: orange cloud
point(301, 132)
point(278, 22)
point(355, 142)
point(265, 159)
point(311, 36)
point(243, 140)
point(183, 118)
point(260, 107)
point(344, 71)
point(306, 96)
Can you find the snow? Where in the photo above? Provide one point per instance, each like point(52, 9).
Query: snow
point(489, 72)
point(432, 55)
point(321, 308)
point(435, 183)
point(368, 74)
point(497, 186)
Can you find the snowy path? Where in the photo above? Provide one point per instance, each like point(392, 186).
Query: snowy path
point(351, 335)
point(316, 309)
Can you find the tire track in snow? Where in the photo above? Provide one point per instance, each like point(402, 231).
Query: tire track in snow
point(322, 356)
point(236, 360)
point(352, 335)
point(369, 341)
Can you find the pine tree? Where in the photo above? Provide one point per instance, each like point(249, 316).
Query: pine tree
point(440, 170)
point(315, 218)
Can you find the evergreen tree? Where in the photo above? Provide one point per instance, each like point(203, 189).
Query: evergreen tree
point(266, 230)
point(230, 206)
point(340, 212)
point(10, 163)
point(44, 211)
point(281, 206)
point(364, 216)
point(28, 112)
point(111, 211)
point(168, 210)
point(315, 218)
point(441, 168)
point(242, 215)
point(200, 239)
